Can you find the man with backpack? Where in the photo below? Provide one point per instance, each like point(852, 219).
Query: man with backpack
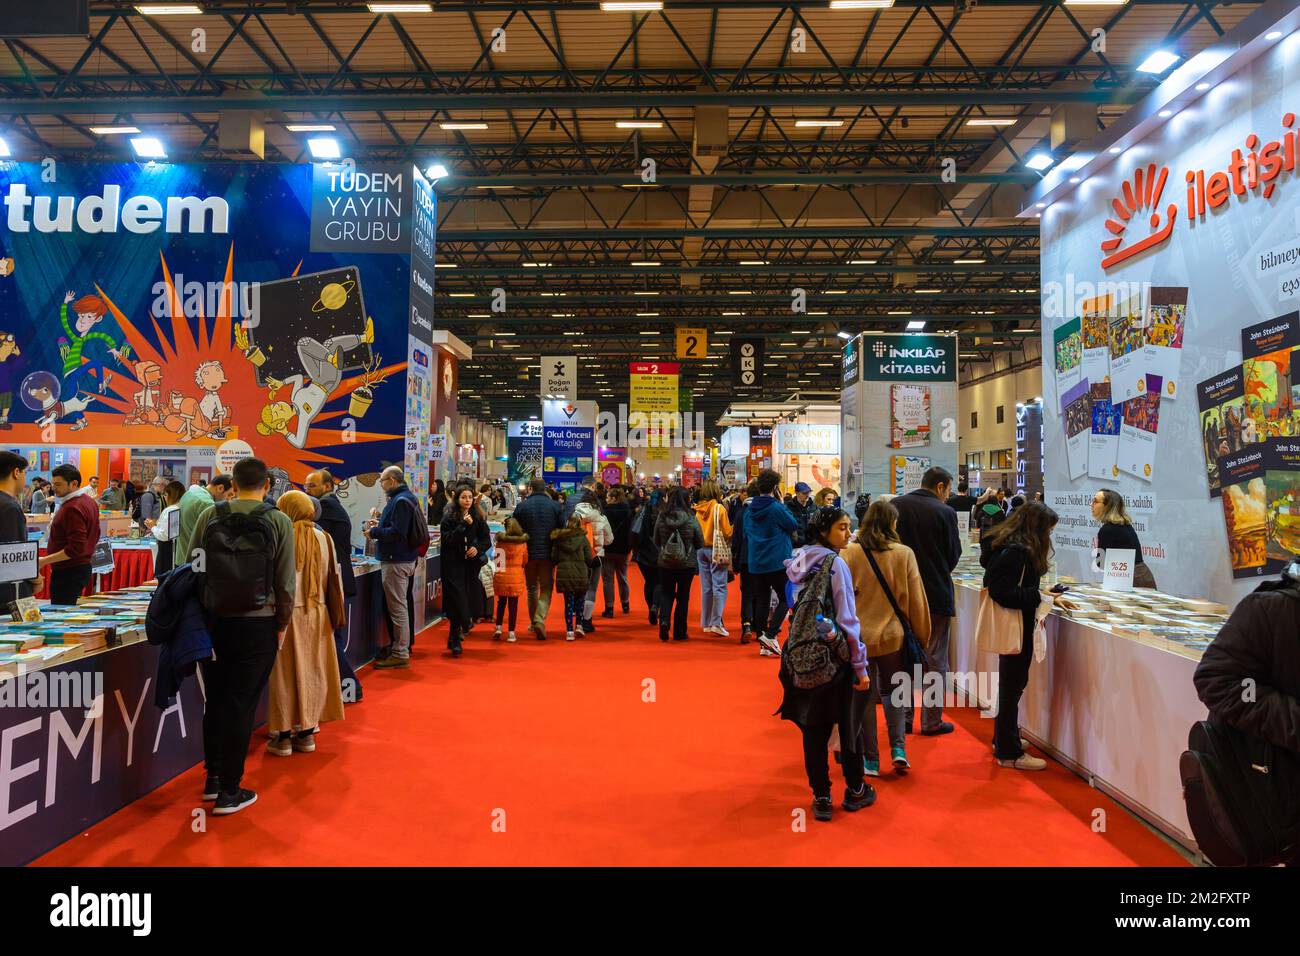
point(245, 554)
point(403, 535)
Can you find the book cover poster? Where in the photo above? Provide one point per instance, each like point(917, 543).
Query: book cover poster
point(1266, 350)
point(1163, 326)
point(905, 475)
point(1137, 432)
point(909, 415)
point(1103, 441)
point(1222, 405)
point(1245, 506)
point(1127, 362)
point(1076, 410)
point(1095, 325)
point(1282, 501)
point(1067, 340)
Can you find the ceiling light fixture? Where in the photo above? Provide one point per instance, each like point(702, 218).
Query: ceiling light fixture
point(454, 126)
point(900, 312)
point(646, 315)
point(818, 123)
point(639, 124)
point(1273, 35)
point(1158, 61)
point(437, 171)
point(753, 262)
point(862, 262)
point(861, 4)
point(844, 335)
point(1165, 114)
point(1115, 150)
point(630, 6)
point(647, 263)
point(324, 147)
point(993, 121)
point(149, 147)
point(400, 7)
point(168, 9)
point(113, 130)
point(968, 262)
point(1040, 161)
point(915, 325)
point(445, 265)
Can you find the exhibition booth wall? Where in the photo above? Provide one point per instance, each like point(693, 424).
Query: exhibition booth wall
point(1170, 284)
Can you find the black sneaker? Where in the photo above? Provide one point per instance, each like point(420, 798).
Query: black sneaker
point(588, 626)
point(627, 609)
point(654, 616)
point(823, 809)
point(944, 728)
point(234, 802)
point(863, 798)
point(211, 788)
point(608, 612)
point(663, 634)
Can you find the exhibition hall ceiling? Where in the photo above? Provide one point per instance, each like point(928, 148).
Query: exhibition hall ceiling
point(621, 173)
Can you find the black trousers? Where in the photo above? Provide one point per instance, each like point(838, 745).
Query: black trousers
point(675, 588)
point(1013, 677)
point(815, 741)
point(244, 650)
point(347, 676)
point(650, 581)
point(66, 584)
point(746, 598)
point(459, 584)
point(764, 584)
point(512, 603)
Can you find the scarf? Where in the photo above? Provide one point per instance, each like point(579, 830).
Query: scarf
point(300, 509)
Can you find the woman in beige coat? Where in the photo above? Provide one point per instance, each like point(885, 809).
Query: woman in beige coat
point(305, 686)
point(881, 631)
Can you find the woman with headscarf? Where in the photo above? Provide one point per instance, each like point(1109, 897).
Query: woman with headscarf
point(305, 686)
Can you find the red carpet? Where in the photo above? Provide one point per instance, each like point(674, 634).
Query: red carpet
point(554, 740)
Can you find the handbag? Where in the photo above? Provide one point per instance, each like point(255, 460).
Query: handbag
point(998, 629)
point(485, 578)
point(913, 652)
point(721, 546)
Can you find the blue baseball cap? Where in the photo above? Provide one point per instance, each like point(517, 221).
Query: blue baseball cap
point(802, 488)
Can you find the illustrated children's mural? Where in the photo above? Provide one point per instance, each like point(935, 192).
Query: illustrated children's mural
point(138, 324)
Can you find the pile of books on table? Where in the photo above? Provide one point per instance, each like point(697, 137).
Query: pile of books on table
point(53, 635)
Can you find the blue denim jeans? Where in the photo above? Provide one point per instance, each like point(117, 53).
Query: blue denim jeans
point(713, 589)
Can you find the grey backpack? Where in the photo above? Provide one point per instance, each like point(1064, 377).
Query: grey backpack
point(816, 648)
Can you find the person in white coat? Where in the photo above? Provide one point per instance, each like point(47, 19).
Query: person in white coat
point(602, 534)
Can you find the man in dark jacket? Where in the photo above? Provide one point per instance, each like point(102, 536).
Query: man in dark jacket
point(394, 531)
point(334, 521)
point(769, 529)
point(929, 527)
point(803, 508)
point(1249, 676)
point(539, 515)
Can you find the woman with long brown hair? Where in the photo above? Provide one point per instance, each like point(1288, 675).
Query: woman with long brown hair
point(1015, 556)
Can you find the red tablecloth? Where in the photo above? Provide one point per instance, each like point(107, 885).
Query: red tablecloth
point(131, 566)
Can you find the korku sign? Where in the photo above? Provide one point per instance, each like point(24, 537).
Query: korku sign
point(909, 358)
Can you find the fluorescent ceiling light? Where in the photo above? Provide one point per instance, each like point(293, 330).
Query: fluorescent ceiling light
point(113, 130)
point(645, 293)
point(324, 147)
point(900, 312)
point(168, 9)
point(1039, 161)
point(993, 121)
point(445, 265)
point(817, 123)
point(1158, 61)
point(648, 333)
point(149, 147)
point(462, 126)
point(816, 313)
point(437, 171)
point(739, 292)
point(461, 295)
point(927, 291)
point(753, 262)
point(646, 315)
point(915, 326)
point(639, 124)
point(309, 127)
point(968, 262)
point(630, 6)
point(537, 265)
point(400, 7)
point(486, 315)
point(1095, 3)
point(836, 292)
point(730, 313)
point(861, 4)
point(4, 148)
point(862, 262)
point(645, 263)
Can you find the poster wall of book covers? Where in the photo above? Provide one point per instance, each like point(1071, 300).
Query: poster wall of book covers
point(1171, 321)
point(914, 379)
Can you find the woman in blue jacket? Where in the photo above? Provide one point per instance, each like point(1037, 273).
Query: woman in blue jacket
point(769, 530)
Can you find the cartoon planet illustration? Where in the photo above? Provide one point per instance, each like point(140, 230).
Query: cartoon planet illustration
point(333, 296)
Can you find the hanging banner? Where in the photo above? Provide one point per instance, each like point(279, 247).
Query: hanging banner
point(909, 358)
point(568, 454)
point(559, 378)
point(692, 343)
point(654, 397)
point(747, 363)
point(523, 451)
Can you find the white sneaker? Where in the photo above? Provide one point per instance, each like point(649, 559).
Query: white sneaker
point(709, 629)
point(510, 638)
point(764, 652)
point(770, 644)
point(1024, 762)
point(496, 635)
point(721, 631)
point(568, 635)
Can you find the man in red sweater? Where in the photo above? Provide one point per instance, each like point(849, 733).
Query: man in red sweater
point(74, 532)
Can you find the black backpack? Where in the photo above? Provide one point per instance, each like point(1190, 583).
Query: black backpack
point(419, 540)
point(672, 555)
point(238, 560)
point(812, 658)
point(1243, 796)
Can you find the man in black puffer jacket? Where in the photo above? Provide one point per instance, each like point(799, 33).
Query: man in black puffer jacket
point(539, 516)
point(1249, 677)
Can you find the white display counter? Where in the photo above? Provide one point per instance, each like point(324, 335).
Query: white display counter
point(1114, 710)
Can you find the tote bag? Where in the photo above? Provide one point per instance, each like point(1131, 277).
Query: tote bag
point(999, 630)
point(721, 546)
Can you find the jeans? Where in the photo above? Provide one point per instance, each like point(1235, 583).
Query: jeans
point(396, 576)
point(815, 741)
point(713, 589)
point(937, 652)
point(347, 676)
point(764, 584)
point(1013, 677)
point(573, 601)
point(66, 584)
point(614, 566)
point(539, 576)
point(892, 698)
point(513, 604)
point(244, 650)
point(675, 588)
point(593, 584)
